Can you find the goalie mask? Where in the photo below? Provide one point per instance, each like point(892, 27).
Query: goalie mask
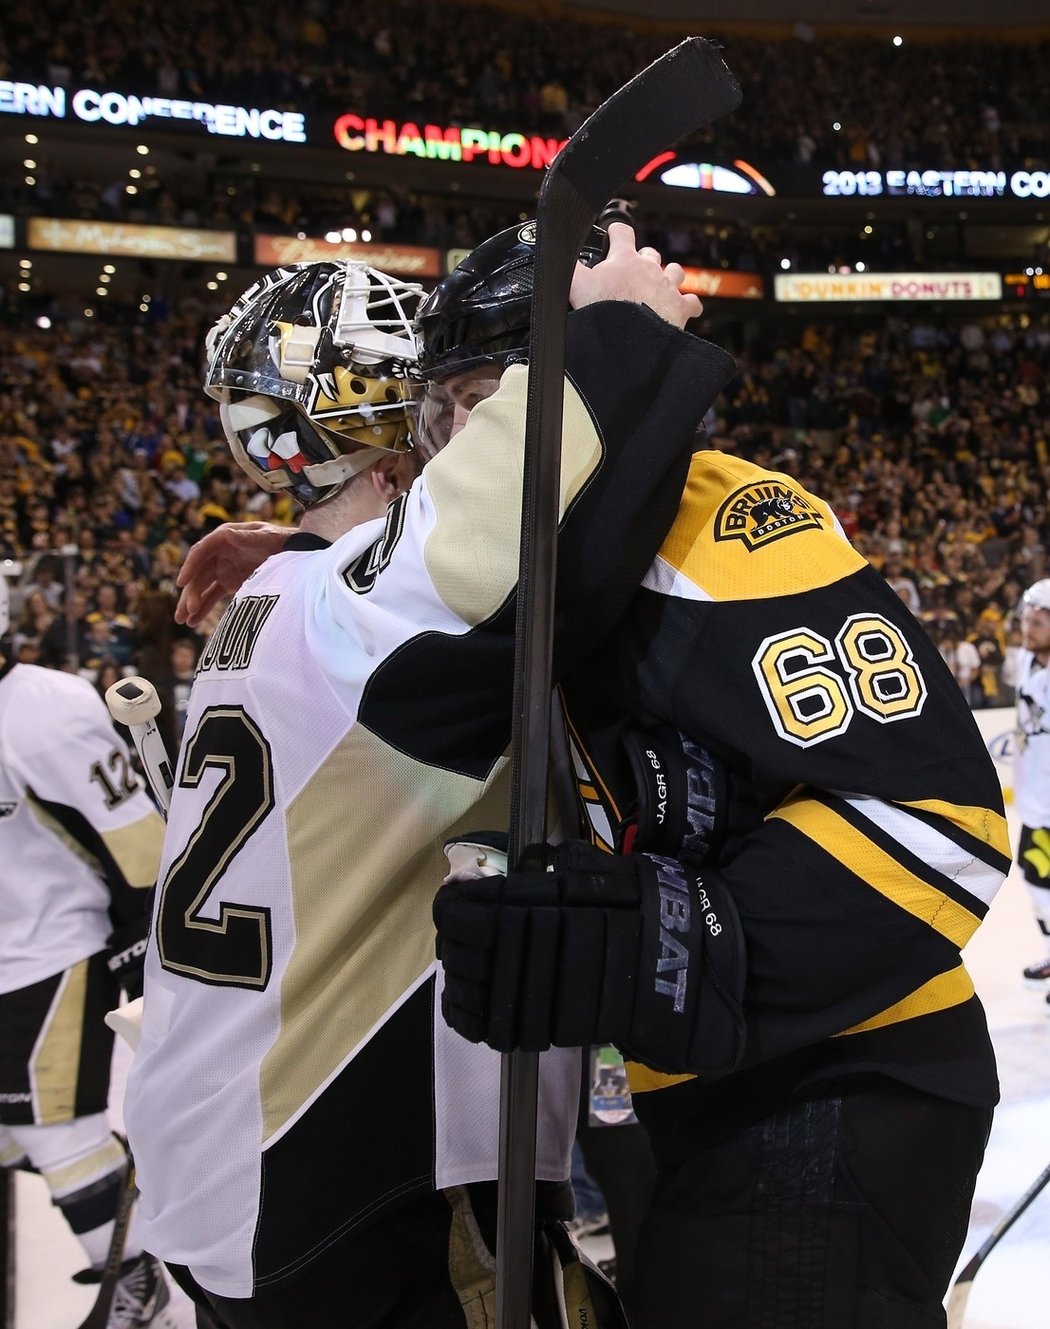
point(479, 314)
point(311, 371)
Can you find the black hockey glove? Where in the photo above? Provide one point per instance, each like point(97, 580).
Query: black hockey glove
point(680, 795)
point(637, 950)
point(687, 803)
point(126, 954)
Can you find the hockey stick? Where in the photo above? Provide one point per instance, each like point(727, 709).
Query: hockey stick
point(683, 90)
point(134, 702)
point(99, 1313)
point(959, 1294)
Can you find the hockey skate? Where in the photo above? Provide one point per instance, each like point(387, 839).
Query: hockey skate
point(1039, 972)
point(141, 1296)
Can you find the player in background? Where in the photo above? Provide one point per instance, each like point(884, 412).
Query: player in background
point(314, 1144)
point(817, 831)
point(1032, 762)
point(80, 842)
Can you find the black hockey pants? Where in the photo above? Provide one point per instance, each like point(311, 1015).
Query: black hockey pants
point(844, 1209)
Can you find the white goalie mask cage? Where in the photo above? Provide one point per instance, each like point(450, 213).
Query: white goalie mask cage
point(311, 368)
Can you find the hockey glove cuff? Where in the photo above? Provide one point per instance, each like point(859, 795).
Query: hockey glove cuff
point(680, 795)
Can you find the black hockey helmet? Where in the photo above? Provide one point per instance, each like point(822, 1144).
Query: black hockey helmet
point(479, 313)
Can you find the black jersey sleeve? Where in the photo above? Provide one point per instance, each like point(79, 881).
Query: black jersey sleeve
point(637, 390)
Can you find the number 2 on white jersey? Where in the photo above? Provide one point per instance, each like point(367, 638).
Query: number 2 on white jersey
point(235, 949)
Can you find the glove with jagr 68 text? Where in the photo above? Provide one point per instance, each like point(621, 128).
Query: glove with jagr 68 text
point(639, 950)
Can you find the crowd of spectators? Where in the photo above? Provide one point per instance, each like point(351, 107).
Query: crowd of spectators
point(930, 438)
point(931, 441)
point(833, 101)
point(810, 100)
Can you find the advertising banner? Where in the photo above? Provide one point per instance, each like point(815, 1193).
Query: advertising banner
point(792, 287)
point(723, 283)
point(447, 143)
point(124, 239)
point(121, 108)
point(273, 251)
point(933, 183)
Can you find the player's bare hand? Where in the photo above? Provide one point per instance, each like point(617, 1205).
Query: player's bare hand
point(219, 565)
point(628, 273)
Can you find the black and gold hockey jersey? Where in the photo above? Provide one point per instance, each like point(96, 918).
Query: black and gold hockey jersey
point(352, 710)
point(870, 839)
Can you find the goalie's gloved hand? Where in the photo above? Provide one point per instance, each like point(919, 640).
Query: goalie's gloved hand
point(126, 954)
point(637, 950)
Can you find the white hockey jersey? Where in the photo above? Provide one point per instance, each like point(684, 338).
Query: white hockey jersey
point(351, 711)
point(1032, 753)
point(75, 824)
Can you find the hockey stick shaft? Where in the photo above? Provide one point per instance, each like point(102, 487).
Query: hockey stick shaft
point(134, 702)
point(99, 1313)
point(959, 1294)
point(7, 1247)
point(684, 89)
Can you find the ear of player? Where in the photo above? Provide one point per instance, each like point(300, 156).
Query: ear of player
point(639, 950)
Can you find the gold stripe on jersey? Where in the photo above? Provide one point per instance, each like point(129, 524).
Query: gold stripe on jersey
point(136, 849)
point(983, 824)
point(849, 846)
point(99, 1163)
point(598, 807)
point(361, 908)
point(701, 548)
point(474, 580)
point(53, 1065)
point(51, 823)
point(940, 993)
point(10, 1152)
point(642, 1079)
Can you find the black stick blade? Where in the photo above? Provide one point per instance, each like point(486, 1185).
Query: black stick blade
point(686, 88)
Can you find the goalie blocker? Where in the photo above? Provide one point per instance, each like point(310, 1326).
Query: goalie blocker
point(639, 950)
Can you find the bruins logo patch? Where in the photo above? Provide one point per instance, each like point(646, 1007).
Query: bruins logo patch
point(758, 514)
